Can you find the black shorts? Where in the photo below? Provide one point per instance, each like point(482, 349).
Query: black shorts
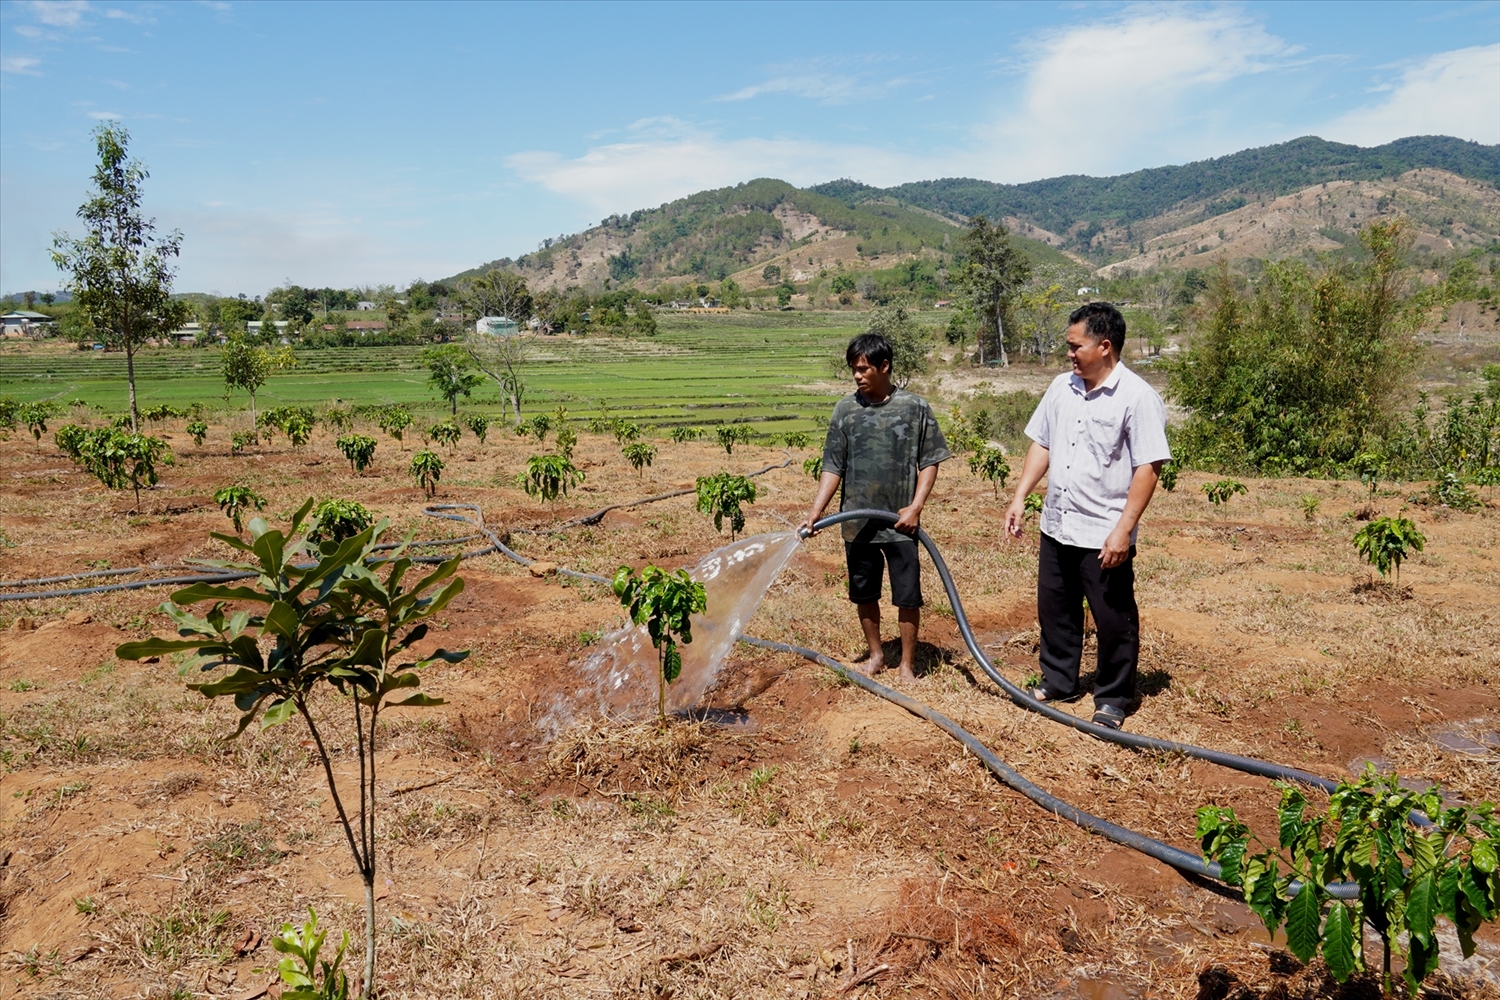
point(867, 560)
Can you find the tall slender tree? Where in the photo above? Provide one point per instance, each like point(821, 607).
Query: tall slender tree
point(120, 272)
point(992, 271)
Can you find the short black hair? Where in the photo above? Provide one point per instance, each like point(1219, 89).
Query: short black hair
point(1102, 321)
point(875, 348)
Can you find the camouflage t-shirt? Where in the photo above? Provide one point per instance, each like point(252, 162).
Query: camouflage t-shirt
point(878, 449)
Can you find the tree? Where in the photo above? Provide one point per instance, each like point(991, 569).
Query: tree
point(451, 372)
point(988, 462)
point(245, 367)
point(771, 275)
point(639, 454)
point(426, 468)
point(549, 477)
point(319, 618)
point(991, 272)
point(500, 293)
point(119, 272)
point(359, 449)
point(908, 342)
point(1042, 318)
point(721, 495)
point(1385, 543)
point(502, 359)
point(234, 501)
point(665, 603)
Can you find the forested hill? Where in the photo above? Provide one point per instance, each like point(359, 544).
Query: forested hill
point(1079, 206)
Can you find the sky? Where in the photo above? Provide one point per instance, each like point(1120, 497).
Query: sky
point(352, 144)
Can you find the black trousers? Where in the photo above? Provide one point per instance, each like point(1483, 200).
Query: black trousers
point(1066, 574)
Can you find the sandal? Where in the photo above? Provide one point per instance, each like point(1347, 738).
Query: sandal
point(1047, 696)
point(1109, 717)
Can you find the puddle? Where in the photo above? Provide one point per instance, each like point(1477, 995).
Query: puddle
point(1104, 989)
point(1472, 740)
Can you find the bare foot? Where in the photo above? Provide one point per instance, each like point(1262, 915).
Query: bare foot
point(869, 664)
point(907, 674)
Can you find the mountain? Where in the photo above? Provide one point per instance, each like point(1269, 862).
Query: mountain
point(1297, 197)
point(1098, 217)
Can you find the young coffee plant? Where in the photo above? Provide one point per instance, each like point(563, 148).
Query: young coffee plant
point(730, 434)
point(1369, 467)
point(1168, 478)
point(1385, 543)
point(426, 468)
point(1033, 503)
point(1449, 491)
point(238, 440)
point(795, 439)
point(639, 454)
point(118, 459)
point(163, 411)
point(306, 975)
point(537, 427)
point(1309, 504)
point(446, 432)
point(336, 520)
point(394, 420)
point(340, 418)
point(682, 435)
point(35, 416)
point(9, 408)
point(813, 466)
point(320, 621)
point(1408, 874)
point(478, 424)
point(665, 603)
point(299, 428)
point(70, 439)
point(988, 462)
point(359, 449)
point(548, 477)
point(236, 501)
point(721, 495)
point(197, 430)
point(1219, 492)
point(567, 440)
point(625, 432)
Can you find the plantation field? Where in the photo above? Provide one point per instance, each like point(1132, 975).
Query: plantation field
point(764, 369)
point(800, 835)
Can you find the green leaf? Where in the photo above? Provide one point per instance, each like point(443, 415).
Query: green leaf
point(1483, 855)
point(371, 649)
point(277, 714)
point(1338, 942)
point(672, 664)
point(215, 592)
point(417, 701)
point(155, 647)
point(1303, 917)
point(1293, 803)
point(1421, 962)
point(1421, 909)
point(282, 620)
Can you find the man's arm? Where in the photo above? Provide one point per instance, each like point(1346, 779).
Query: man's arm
point(1142, 484)
point(1032, 471)
point(828, 485)
point(911, 514)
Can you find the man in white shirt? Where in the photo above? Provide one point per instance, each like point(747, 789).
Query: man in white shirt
point(1099, 435)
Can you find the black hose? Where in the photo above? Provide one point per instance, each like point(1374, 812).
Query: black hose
point(1248, 765)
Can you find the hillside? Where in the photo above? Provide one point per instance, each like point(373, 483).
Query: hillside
point(735, 232)
point(1106, 218)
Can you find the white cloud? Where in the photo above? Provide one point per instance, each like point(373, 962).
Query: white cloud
point(106, 116)
point(1129, 82)
point(59, 13)
point(666, 159)
point(821, 80)
point(25, 65)
point(1452, 93)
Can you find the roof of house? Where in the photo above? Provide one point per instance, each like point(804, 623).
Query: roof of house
point(23, 314)
point(364, 324)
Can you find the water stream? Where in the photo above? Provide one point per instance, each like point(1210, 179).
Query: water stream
point(618, 681)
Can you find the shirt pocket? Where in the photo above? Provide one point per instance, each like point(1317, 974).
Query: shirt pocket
point(1105, 440)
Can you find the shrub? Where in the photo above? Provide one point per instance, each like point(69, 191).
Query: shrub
point(814, 467)
point(537, 427)
point(1386, 541)
point(1169, 470)
point(234, 501)
point(337, 520)
point(988, 462)
point(10, 408)
point(567, 440)
point(394, 420)
point(446, 432)
point(721, 495)
point(359, 449)
point(730, 434)
point(639, 454)
point(340, 418)
point(309, 976)
point(549, 476)
point(35, 416)
point(1448, 491)
point(156, 414)
point(70, 440)
point(795, 439)
point(1033, 503)
point(298, 429)
point(325, 622)
point(198, 430)
point(238, 440)
point(1309, 504)
point(479, 425)
point(625, 432)
point(1407, 875)
point(1218, 493)
point(663, 602)
point(118, 459)
point(681, 435)
point(426, 468)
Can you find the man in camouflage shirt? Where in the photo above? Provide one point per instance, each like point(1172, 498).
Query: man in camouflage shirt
point(883, 448)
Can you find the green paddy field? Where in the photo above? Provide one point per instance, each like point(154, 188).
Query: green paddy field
point(763, 368)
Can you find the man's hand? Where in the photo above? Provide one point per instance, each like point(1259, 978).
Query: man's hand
point(1116, 549)
point(910, 519)
point(1015, 516)
point(806, 528)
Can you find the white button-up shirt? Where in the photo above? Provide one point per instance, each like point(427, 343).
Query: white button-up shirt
point(1096, 441)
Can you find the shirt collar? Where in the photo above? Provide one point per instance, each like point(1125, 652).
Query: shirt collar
point(1110, 381)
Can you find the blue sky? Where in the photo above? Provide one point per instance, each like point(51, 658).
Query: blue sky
point(347, 144)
